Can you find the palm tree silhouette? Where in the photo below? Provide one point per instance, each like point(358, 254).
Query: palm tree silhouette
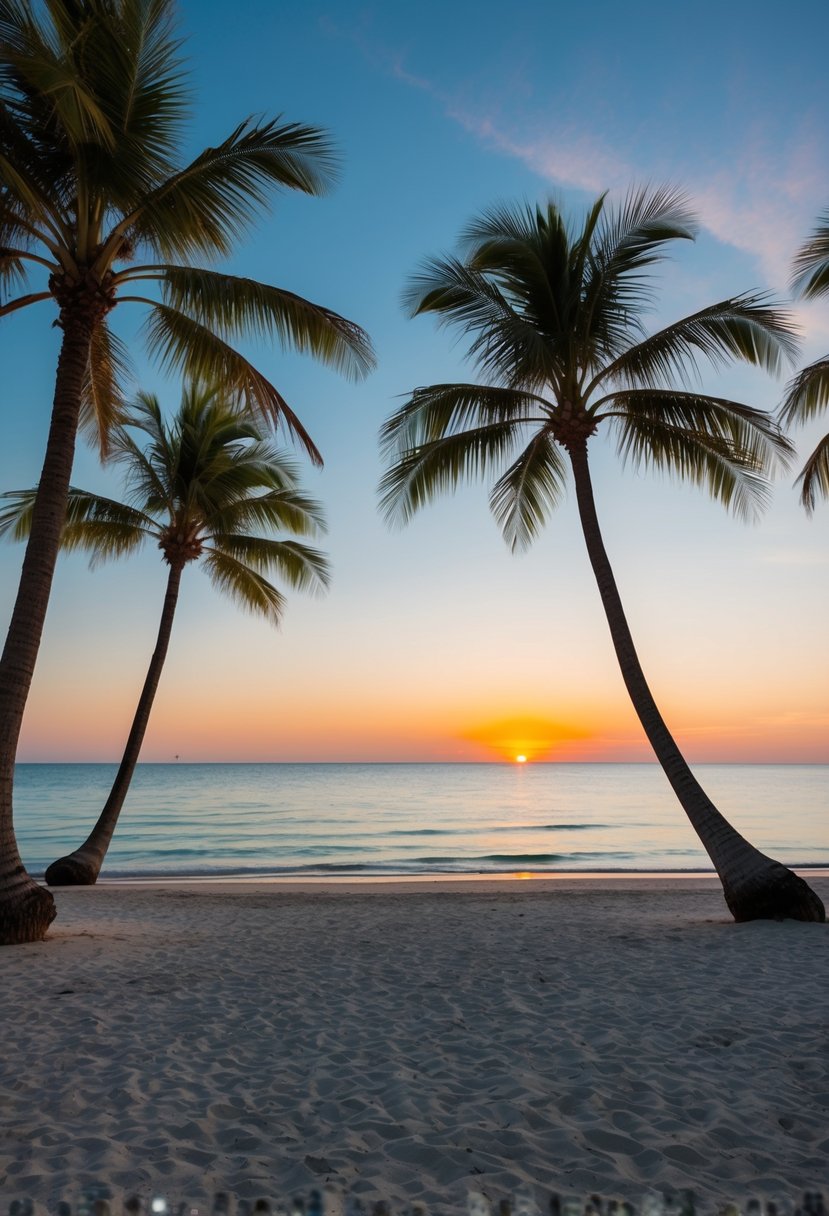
point(95, 197)
point(197, 489)
point(555, 318)
point(808, 393)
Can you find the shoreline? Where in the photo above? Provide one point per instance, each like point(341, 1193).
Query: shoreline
point(434, 880)
point(411, 1042)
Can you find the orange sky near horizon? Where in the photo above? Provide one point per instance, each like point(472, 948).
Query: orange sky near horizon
point(240, 727)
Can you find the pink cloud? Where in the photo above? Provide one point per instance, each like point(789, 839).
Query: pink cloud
point(763, 203)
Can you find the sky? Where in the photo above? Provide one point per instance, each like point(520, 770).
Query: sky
point(435, 642)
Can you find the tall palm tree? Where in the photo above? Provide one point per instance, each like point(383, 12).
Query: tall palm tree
point(197, 489)
point(555, 317)
point(808, 393)
point(96, 200)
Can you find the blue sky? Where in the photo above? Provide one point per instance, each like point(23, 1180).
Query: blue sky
point(433, 636)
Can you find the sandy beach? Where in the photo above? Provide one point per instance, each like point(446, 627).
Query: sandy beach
point(414, 1042)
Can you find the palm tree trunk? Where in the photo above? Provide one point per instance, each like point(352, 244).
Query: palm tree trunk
point(754, 886)
point(27, 909)
point(81, 868)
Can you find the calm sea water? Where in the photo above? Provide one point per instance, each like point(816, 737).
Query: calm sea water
point(365, 819)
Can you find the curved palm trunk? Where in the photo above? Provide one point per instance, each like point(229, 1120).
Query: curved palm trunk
point(754, 886)
point(81, 868)
point(27, 909)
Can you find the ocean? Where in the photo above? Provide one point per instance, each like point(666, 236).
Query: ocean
point(304, 820)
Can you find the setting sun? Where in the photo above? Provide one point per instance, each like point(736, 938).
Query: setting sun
point(524, 738)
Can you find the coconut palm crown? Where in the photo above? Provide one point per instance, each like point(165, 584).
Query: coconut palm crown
point(554, 313)
point(202, 488)
point(99, 208)
point(808, 392)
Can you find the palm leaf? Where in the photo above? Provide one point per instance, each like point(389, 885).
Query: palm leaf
point(731, 476)
point(102, 401)
point(24, 194)
point(235, 307)
point(747, 327)
point(301, 566)
point(34, 297)
point(244, 586)
point(149, 474)
point(615, 255)
point(745, 428)
point(632, 237)
point(440, 409)
point(814, 480)
point(531, 488)
point(506, 345)
point(16, 516)
point(811, 263)
point(185, 346)
point(526, 252)
point(76, 110)
point(807, 394)
point(284, 509)
point(212, 202)
point(432, 468)
point(101, 526)
point(134, 66)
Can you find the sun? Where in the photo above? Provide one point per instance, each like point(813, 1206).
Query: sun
point(520, 759)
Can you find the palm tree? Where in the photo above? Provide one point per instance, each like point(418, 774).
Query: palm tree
point(555, 318)
point(95, 198)
point(808, 393)
point(197, 489)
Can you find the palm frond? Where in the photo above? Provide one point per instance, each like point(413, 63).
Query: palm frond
point(506, 345)
point(149, 473)
point(77, 112)
point(235, 307)
point(746, 429)
point(142, 77)
point(284, 509)
point(207, 206)
point(615, 255)
point(523, 498)
point(185, 346)
point(441, 409)
point(632, 236)
point(512, 225)
point(16, 515)
point(246, 587)
point(814, 480)
point(731, 476)
point(748, 327)
point(34, 297)
point(526, 252)
point(811, 263)
point(23, 194)
point(807, 394)
point(102, 401)
point(432, 468)
point(15, 252)
point(300, 566)
point(101, 526)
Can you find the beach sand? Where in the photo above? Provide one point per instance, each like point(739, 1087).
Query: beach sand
point(415, 1041)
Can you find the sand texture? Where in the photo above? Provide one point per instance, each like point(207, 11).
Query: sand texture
point(413, 1044)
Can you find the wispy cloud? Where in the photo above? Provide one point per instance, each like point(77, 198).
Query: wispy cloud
point(762, 203)
point(570, 160)
point(766, 201)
